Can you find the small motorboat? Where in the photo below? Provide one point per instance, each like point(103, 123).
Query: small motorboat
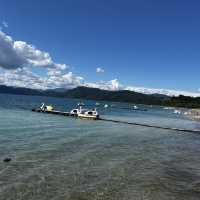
point(167, 108)
point(90, 114)
point(106, 106)
point(97, 104)
point(84, 113)
point(44, 107)
point(177, 112)
point(135, 107)
point(74, 112)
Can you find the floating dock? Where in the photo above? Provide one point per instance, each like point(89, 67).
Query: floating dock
point(55, 112)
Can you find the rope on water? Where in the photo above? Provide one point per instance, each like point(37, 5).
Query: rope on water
point(151, 126)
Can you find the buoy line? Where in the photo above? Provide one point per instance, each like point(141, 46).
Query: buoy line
point(151, 126)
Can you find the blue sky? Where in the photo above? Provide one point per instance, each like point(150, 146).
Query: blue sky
point(147, 43)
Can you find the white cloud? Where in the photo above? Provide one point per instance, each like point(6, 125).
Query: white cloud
point(5, 24)
point(21, 77)
point(24, 77)
point(99, 70)
point(18, 59)
point(106, 85)
point(162, 91)
point(16, 54)
point(114, 85)
point(9, 59)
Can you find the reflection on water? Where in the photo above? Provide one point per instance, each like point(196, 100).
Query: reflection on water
point(55, 157)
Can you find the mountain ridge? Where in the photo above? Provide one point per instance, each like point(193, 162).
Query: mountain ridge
point(97, 94)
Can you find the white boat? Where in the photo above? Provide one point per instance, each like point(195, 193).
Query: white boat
point(75, 111)
point(97, 104)
point(135, 107)
point(177, 112)
point(44, 107)
point(106, 106)
point(84, 113)
point(167, 108)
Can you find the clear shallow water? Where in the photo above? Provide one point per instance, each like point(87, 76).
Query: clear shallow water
point(56, 157)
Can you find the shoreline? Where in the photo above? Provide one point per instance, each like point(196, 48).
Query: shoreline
point(194, 114)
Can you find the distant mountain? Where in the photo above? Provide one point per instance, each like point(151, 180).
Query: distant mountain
point(106, 95)
point(18, 90)
point(89, 93)
point(57, 90)
point(120, 96)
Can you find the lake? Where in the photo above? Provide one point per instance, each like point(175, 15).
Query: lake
point(60, 158)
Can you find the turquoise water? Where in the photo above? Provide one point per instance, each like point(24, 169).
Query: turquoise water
point(61, 158)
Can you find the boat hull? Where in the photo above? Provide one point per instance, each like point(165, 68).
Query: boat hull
point(92, 117)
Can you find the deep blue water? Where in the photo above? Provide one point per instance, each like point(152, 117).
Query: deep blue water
point(57, 157)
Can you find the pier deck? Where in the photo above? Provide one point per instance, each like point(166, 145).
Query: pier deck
point(55, 112)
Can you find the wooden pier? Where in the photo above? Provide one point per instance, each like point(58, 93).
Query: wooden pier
point(55, 112)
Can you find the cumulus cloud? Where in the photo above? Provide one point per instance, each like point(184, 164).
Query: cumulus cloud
point(24, 77)
point(5, 24)
point(99, 70)
point(18, 59)
point(162, 91)
point(19, 54)
point(106, 85)
point(20, 77)
point(9, 59)
point(115, 85)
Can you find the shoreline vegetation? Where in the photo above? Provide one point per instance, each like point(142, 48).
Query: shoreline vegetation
point(114, 96)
